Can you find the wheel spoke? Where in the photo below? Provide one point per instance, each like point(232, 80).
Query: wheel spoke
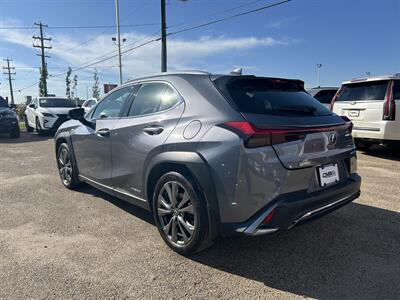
point(163, 202)
point(187, 226)
point(167, 227)
point(184, 235)
point(187, 209)
point(174, 235)
point(164, 212)
point(185, 199)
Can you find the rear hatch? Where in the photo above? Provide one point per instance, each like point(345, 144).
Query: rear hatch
point(279, 113)
point(362, 102)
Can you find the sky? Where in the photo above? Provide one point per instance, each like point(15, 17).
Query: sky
point(349, 38)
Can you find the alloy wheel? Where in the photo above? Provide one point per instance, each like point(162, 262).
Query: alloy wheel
point(65, 166)
point(176, 213)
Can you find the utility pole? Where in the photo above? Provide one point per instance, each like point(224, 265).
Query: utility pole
point(163, 38)
point(318, 71)
point(42, 46)
point(118, 41)
point(9, 71)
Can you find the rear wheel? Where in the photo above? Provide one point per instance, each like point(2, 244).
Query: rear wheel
point(180, 214)
point(28, 128)
point(38, 128)
point(67, 170)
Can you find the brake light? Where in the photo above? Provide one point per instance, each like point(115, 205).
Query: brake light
point(254, 137)
point(334, 99)
point(348, 122)
point(389, 107)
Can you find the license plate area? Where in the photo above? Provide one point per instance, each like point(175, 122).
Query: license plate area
point(328, 174)
point(354, 113)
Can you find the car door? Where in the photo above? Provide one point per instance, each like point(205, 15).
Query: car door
point(154, 113)
point(92, 144)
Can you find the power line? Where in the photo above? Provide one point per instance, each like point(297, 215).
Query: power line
point(230, 17)
point(81, 27)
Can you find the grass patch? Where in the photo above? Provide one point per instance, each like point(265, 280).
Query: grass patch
point(22, 126)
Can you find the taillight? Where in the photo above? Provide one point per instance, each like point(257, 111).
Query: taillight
point(348, 122)
point(254, 137)
point(389, 107)
point(334, 99)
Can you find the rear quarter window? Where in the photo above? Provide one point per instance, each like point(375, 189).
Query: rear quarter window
point(325, 96)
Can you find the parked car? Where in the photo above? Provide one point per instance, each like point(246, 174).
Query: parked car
point(373, 105)
point(8, 120)
point(88, 104)
point(213, 155)
point(46, 114)
point(323, 94)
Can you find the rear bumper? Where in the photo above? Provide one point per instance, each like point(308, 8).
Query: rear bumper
point(382, 130)
point(298, 207)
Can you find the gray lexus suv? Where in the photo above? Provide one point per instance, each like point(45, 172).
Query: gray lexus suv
point(213, 155)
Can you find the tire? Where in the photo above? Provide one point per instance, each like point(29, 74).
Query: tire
point(182, 223)
point(15, 133)
point(38, 128)
point(28, 128)
point(66, 167)
point(360, 145)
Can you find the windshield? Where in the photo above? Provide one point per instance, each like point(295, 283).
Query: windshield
point(3, 103)
point(269, 96)
point(56, 102)
point(374, 90)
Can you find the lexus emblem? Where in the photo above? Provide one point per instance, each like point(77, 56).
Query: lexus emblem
point(332, 139)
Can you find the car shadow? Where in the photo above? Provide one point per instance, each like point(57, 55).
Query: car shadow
point(351, 253)
point(386, 153)
point(26, 137)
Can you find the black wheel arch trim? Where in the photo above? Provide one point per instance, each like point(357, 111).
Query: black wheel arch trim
point(64, 135)
point(202, 175)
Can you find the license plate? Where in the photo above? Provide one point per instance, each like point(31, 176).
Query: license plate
point(354, 113)
point(328, 174)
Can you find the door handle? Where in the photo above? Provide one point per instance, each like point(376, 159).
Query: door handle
point(153, 130)
point(105, 132)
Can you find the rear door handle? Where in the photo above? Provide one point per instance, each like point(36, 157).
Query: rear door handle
point(105, 132)
point(153, 130)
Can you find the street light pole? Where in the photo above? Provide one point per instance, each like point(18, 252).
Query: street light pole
point(118, 41)
point(318, 73)
point(163, 38)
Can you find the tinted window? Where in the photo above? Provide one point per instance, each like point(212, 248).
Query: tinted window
point(396, 90)
point(3, 102)
point(269, 96)
point(325, 96)
point(56, 102)
point(111, 106)
point(374, 90)
point(152, 98)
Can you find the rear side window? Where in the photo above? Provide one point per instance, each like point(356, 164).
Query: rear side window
point(373, 90)
point(325, 96)
point(396, 90)
point(259, 95)
point(152, 98)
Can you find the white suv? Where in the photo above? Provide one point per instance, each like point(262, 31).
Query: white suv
point(46, 114)
point(373, 105)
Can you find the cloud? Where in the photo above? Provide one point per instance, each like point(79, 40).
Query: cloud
point(208, 53)
point(281, 23)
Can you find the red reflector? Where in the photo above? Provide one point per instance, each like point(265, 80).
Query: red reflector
point(268, 217)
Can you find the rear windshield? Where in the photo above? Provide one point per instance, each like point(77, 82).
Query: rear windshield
point(269, 96)
point(56, 102)
point(325, 96)
point(3, 102)
point(373, 90)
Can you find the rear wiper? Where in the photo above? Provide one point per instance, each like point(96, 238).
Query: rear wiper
point(307, 110)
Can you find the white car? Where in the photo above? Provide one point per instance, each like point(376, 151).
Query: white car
point(46, 114)
point(373, 105)
point(323, 94)
point(88, 104)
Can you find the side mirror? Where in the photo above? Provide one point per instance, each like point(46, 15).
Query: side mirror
point(32, 105)
point(79, 114)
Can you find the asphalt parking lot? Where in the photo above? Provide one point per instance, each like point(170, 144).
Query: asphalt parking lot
point(57, 243)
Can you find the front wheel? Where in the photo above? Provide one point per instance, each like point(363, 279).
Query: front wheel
point(15, 132)
point(180, 214)
point(38, 128)
point(66, 167)
point(28, 128)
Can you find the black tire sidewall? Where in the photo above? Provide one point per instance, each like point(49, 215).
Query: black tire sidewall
point(38, 128)
point(28, 128)
point(15, 132)
point(200, 207)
